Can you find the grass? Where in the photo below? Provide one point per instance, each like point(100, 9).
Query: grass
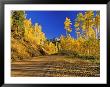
point(75, 55)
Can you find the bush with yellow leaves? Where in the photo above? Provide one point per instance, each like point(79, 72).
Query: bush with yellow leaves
point(49, 48)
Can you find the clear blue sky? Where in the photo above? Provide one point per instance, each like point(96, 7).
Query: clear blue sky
point(52, 22)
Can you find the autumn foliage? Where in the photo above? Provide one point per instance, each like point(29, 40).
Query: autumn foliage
point(29, 41)
point(87, 27)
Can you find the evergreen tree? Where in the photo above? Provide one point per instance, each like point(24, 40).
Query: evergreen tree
point(17, 28)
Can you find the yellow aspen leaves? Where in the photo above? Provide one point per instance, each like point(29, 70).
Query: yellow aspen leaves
point(67, 25)
point(88, 23)
point(50, 48)
point(27, 23)
point(33, 34)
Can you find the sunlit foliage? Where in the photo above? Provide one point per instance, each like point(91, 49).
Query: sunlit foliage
point(33, 34)
point(26, 38)
point(66, 42)
point(29, 41)
point(67, 25)
point(50, 48)
point(87, 27)
point(88, 23)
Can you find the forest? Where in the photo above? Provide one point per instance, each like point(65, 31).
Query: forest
point(29, 41)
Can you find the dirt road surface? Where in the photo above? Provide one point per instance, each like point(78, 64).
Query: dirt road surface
point(55, 66)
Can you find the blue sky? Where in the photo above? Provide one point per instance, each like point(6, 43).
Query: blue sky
point(52, 22)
